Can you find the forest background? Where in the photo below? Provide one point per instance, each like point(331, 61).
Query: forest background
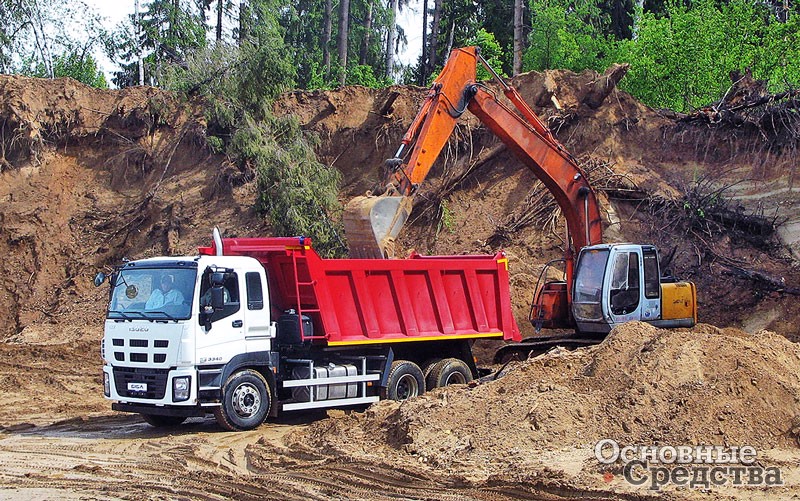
point(239, 55)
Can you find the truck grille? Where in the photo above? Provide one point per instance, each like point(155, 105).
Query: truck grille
point(156, 380)
point(141, 356)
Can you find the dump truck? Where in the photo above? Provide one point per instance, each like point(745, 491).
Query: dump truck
point(603, 284)
point(250, 327)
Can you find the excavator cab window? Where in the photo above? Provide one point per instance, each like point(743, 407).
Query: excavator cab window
point(589, 285)
point(652, 281)
point(625, 283)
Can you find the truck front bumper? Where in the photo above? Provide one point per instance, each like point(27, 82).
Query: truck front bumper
point(158, 410)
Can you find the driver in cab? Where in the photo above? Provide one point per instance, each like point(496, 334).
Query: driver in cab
point(165, 295)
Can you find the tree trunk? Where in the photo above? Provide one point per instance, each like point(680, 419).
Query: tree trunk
point(242, 21)
point(139, 42)
point(362, 58)
point(450, 39)
point(390, 38)
point(344, 21)
point(518, 41)
point(423, 73)
point(220, 10)
point(326, 37)
point(437, 18)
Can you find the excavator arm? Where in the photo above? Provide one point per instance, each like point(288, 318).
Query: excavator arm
point(373, 222)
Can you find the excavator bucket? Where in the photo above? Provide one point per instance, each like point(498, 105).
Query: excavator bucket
point(371, 224)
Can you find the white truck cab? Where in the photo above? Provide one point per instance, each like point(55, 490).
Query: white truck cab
point(162, 335)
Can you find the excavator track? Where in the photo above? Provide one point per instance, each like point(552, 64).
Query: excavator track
point(533, 346)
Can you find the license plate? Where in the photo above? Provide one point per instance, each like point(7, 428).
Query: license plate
point(137, 386)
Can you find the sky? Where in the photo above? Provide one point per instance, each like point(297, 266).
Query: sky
point(115, 11)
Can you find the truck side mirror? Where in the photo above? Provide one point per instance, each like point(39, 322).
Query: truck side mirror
point(99, 279)
point(217, 297)
point(217, 279)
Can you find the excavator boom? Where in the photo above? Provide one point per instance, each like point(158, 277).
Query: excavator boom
point(373, 222)
point(603, 288)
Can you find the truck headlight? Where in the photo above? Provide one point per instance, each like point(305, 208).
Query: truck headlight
point(106, 385)
point(181, 388)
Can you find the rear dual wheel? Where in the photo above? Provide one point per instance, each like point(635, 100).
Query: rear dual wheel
point(448, 371)
point(405, 381)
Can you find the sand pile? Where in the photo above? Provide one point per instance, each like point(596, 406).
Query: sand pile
point(642, 385)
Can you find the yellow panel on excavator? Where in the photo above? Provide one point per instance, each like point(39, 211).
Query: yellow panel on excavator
point(678, 301)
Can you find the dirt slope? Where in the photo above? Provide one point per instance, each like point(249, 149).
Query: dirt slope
point(642, 385)
point(91, 176)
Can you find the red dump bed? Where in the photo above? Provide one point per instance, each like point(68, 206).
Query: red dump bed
point(359, 301)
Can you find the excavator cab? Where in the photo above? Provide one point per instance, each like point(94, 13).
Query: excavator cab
point(617, 283)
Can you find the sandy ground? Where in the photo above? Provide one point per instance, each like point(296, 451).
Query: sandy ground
point(59, 440)
point(88, 177)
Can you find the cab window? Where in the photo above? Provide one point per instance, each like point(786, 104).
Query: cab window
point(625, 283)
point(230, 294)
point(652, 280)
point(589, 285)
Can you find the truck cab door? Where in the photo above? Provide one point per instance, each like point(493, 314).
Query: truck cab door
point(222, 330)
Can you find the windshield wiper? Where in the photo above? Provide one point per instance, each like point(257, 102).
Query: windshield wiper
point(165, 314)
point(115, 312)
point(125, 315)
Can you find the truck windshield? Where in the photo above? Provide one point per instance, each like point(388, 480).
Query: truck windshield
point(153, 294)
point(588, 291)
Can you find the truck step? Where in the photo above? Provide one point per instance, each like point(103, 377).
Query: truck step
point(330, 403)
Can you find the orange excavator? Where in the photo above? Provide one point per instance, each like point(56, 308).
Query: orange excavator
point(604, 284)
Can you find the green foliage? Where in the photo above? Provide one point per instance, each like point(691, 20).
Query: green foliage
point(362, 74)
point(491, 52)
point(447, 219)
point(683, 60)
point(168, 32)
point(81, 67)
point(240, 83)
point(172, 31)
point(568, 35)
point(33, 33)
point(297, 192)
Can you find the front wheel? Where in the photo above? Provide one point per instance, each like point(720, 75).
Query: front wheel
point(246, 399)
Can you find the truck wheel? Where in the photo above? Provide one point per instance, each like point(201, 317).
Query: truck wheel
point(162, 421)
point(246, 399)
point(405, 381)
point(449, 371)
point(427, 367)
